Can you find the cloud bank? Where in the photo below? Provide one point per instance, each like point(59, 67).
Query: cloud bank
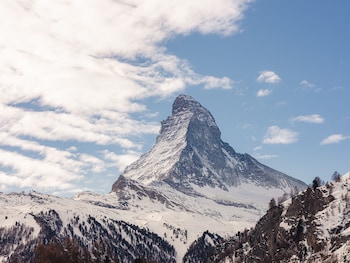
point(73, 72)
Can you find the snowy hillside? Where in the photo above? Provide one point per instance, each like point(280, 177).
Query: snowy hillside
point(29, 219)
point(37, 218)
point(179, 218)
point(313, 226)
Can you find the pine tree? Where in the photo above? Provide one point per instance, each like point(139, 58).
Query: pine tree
point(272, 203)
point(316, 182)
point(336, 176)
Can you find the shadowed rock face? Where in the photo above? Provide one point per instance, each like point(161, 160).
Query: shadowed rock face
point(189, 150)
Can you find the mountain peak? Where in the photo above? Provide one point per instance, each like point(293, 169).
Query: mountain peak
point(185, 103)
point(188, 115)
point(189, 152)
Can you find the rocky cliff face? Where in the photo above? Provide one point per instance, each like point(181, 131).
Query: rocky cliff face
point(189, 151)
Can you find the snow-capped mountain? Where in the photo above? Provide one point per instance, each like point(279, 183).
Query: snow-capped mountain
point(191, 182)
point(189, 153)
point(312, 226)
point(192, 171)
point(190, 157)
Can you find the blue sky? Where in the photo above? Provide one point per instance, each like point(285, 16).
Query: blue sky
point(84, 85)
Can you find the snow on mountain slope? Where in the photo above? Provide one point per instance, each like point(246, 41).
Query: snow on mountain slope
point(179, 219)
point(90, 216)
point(312, 226)
point(29, 219)
point(164, 154)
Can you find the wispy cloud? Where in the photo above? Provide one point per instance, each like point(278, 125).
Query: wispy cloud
point(267, 76)
point(265, 156)
point(260, 156)
point(314, 118)
point(309, 86)
point(75, 71)
point(257, 148)
point(281, 103)
point(120, 161)
point(334, 138)
point(276, 135)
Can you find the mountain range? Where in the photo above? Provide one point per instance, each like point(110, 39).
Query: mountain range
point(189, 183)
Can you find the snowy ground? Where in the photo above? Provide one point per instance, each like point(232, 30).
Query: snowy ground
point(218, 211)
point(181, 225)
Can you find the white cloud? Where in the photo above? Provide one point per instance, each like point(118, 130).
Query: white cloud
point(120, 161)
point(267, 76)
point(263, 92)
point(314, 118)
point(257, 148)
point(53, 126)
point(75, 71)
point(212, 83)
point(260, 156)
point(29, 172)
point(276, 135)
point(334, 138)
point(307, 84)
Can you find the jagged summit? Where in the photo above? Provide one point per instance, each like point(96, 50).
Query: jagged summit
point(185, 103)
point(189, 152)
